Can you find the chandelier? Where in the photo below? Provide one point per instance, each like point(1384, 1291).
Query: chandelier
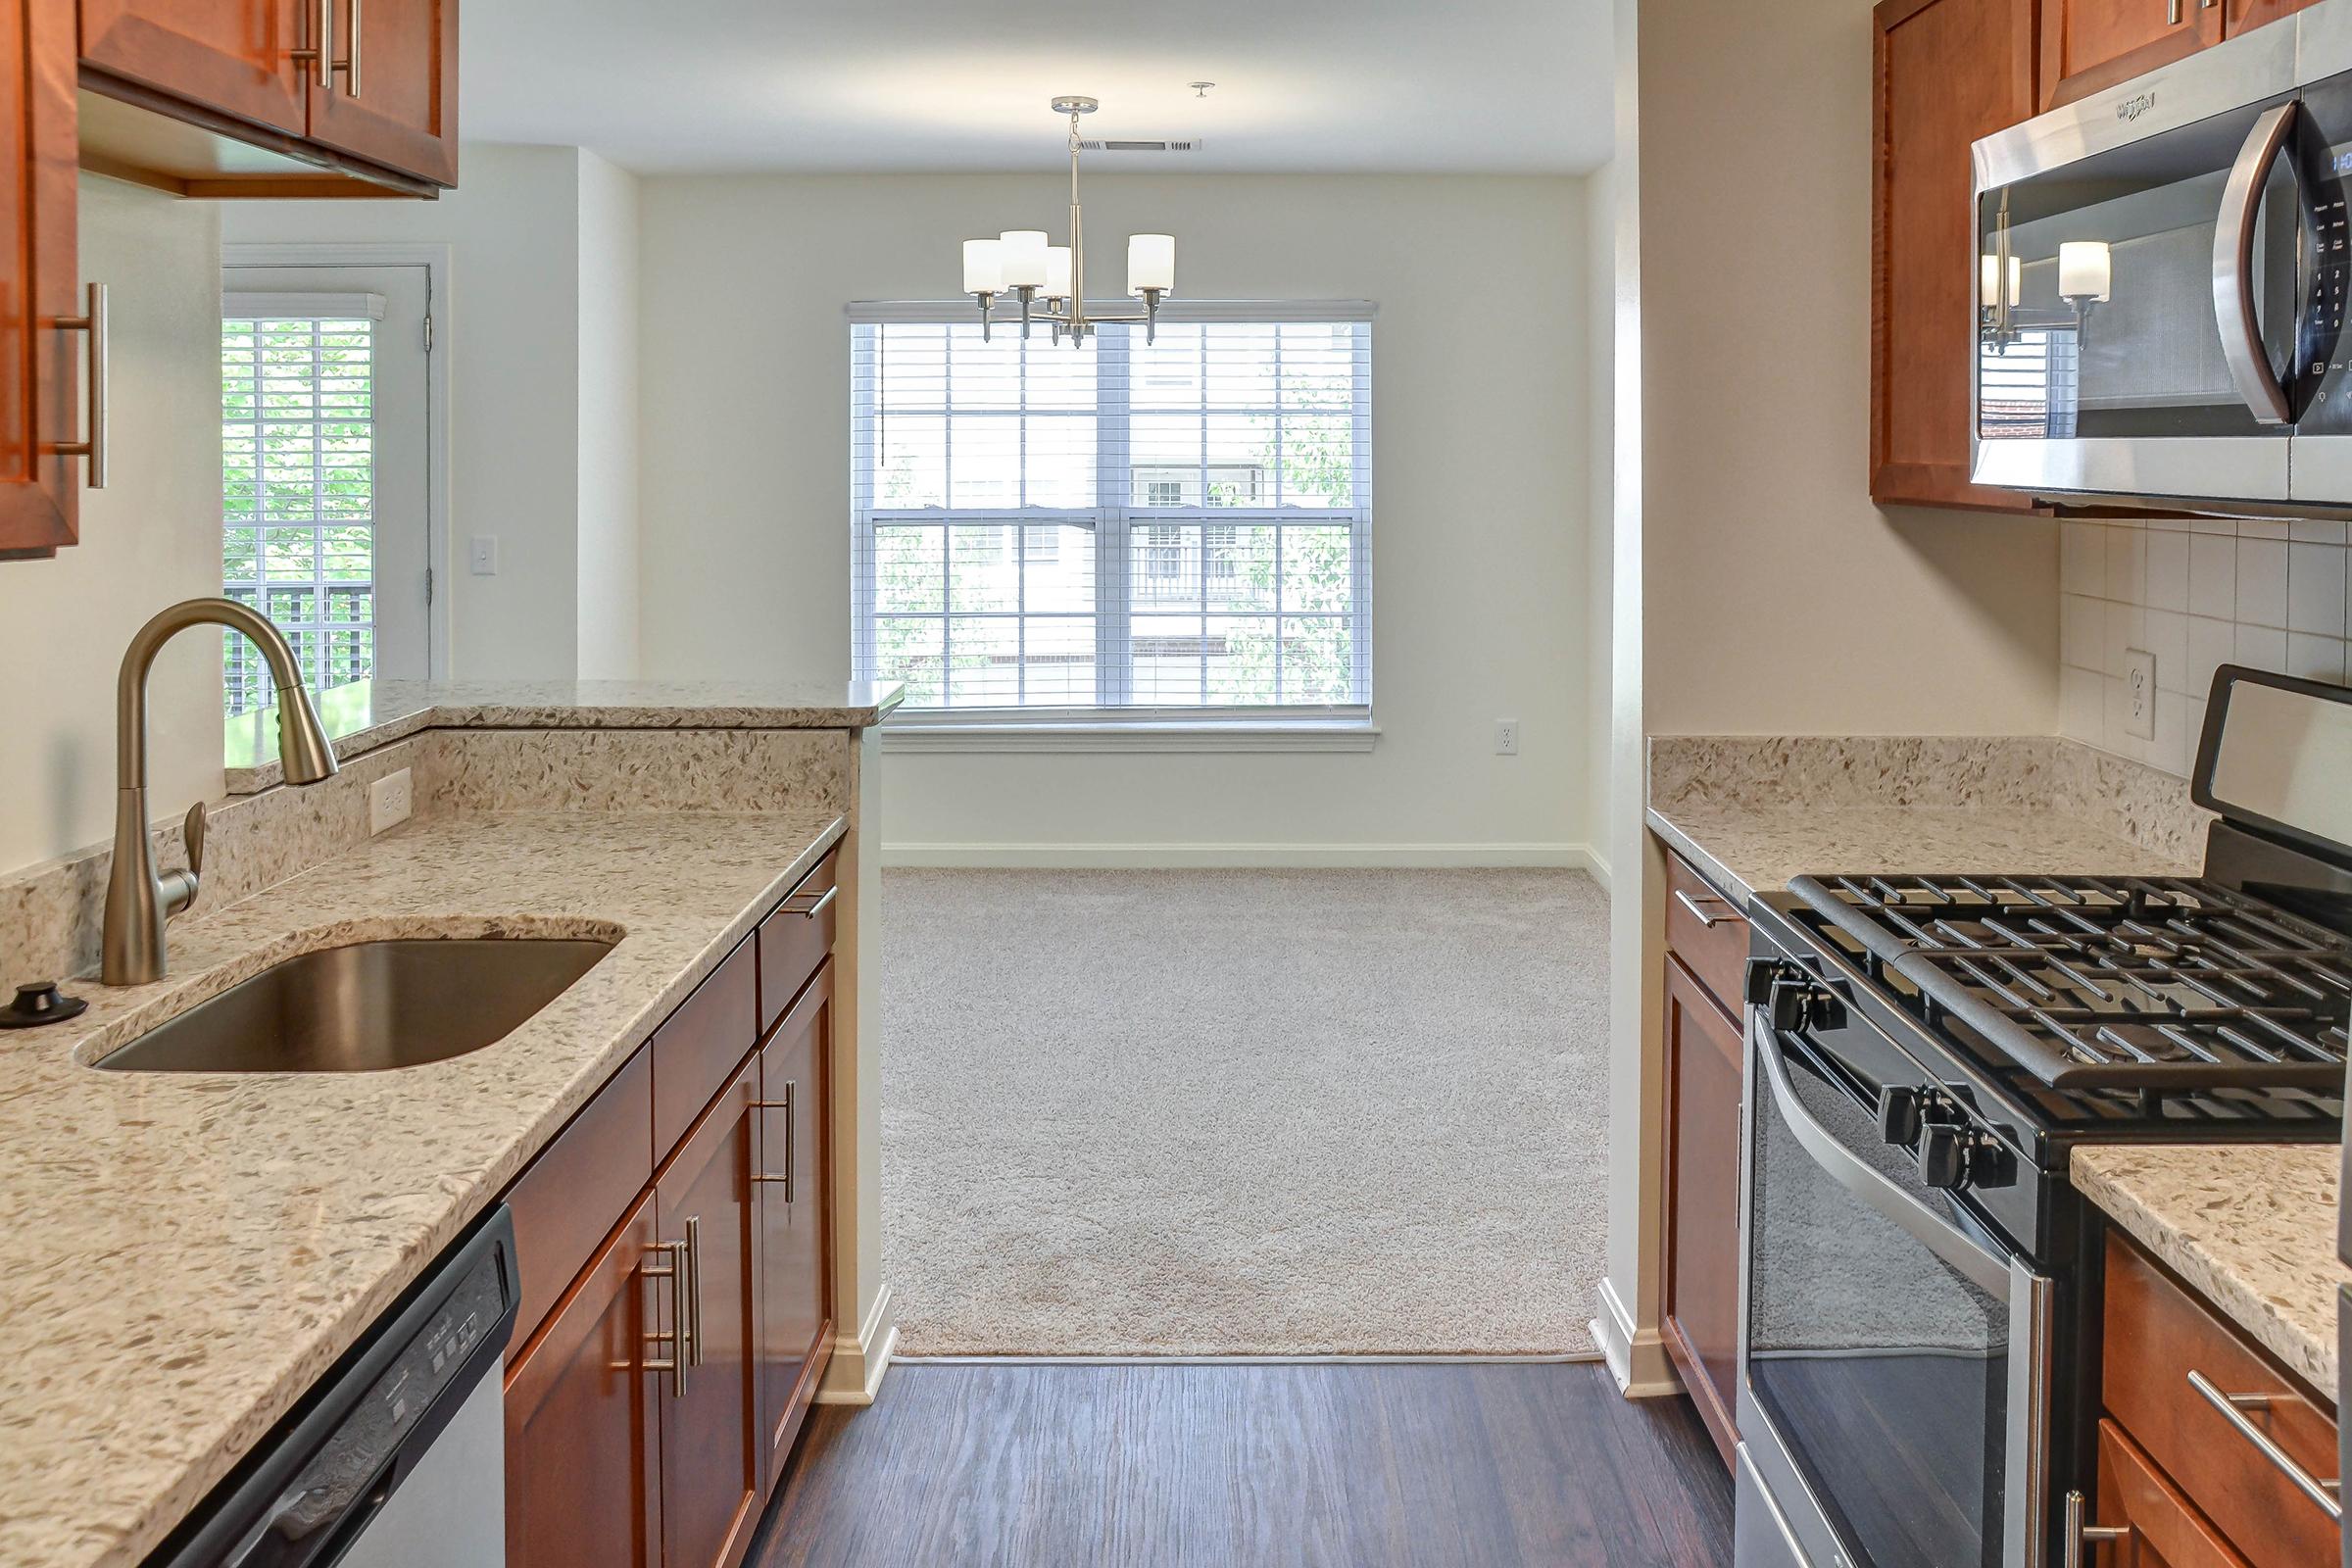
point(1023, 262)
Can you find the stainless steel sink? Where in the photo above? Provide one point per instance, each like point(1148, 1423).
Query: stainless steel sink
point(365, 1006)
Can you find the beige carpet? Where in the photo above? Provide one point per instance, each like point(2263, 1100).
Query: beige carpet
point(1243, 1112)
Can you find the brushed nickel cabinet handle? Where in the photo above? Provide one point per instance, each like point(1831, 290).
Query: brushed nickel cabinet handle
point(2234, 1409)
point(351, 62)
point(2082, 1537)
point(94, 445)
point(675, 1362)
point(1710, 921)
point(2172, 14)
point(693, 1251)
point(783, 1177)
point(821, 905)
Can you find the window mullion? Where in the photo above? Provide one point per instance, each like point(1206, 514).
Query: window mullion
point(1114, 621)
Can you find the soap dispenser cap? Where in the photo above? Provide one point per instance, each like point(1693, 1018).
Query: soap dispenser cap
point(38, 1004)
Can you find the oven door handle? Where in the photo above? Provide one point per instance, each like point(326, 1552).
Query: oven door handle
point(1987, 1269)
point(2233, 232)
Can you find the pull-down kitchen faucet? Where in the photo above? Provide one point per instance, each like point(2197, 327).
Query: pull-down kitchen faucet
point(137, 900)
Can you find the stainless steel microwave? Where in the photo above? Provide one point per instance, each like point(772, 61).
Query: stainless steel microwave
point(2161, 280)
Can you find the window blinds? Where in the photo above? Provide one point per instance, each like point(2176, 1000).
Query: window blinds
point(1121, 526)
point(298, 495)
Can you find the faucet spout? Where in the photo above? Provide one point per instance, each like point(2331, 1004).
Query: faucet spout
point(137, 900)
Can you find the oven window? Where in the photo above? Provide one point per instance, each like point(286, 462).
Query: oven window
point(1882, 1370)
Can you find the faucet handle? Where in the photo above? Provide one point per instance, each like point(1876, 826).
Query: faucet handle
point(183, 887)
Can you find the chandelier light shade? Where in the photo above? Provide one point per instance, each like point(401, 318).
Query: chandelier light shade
point(1026, 264)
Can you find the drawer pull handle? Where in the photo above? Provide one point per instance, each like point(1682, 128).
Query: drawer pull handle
point(821, 906)
point(2081, 1539)
point(2234, 1407)
point(1710, 921)
point(782, 1178)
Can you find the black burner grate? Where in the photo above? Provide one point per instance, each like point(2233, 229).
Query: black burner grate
point(2158, 984)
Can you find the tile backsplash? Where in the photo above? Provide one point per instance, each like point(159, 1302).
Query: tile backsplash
point(2194, 595)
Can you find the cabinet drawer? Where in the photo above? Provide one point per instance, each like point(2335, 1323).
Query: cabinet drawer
point(697, 1050)
point(567, 1199)
point(1716, 952)
point(2156, 1335)
point(795, 940)
point(2135, 1494)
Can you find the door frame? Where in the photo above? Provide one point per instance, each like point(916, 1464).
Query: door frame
point(435, 259)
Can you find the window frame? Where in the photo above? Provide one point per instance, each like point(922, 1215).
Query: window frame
point(1111, 522)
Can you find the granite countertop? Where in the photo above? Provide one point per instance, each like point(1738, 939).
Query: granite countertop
point(1749, 848)
point(365, 714)
point(187, 1253)
point(2251, 1229)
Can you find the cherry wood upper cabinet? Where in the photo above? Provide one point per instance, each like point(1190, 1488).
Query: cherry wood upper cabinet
point(2248, 14)
point(795, 1328)
point(714, 1472)
point(1949, 72)
point(40, 487)
point(2091, 44)
point(389, 94)
point(240, 57)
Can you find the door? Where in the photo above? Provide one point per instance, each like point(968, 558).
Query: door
point(795, 1284)
point(1891, 1345)
point(713, 1459)
point(236, 56)
point(2091, 44)
point(40, 487)
point(389, 92)
point(1702, 1204)
point(327, 469)
point(2115, 353)
point(583, 1428)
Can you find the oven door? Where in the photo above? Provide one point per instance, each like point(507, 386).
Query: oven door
point(1894, 1353)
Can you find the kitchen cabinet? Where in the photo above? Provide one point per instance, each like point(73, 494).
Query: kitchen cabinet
point(1707, 941)
point(40, 482)
point(1947, 72)
point(238, 56)
point(795, 1328)
point(2164, 1530)
point(393, 101)
point(583, 1413)
point(714, 1470)
point(2213, 1494)
point(2240, 15)
point(2087, 45)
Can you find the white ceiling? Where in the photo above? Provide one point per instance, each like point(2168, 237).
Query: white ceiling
point(840, 85)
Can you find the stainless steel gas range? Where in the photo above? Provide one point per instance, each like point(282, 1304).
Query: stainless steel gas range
point(1921, 1281)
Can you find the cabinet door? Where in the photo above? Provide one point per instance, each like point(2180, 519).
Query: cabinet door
point(2166, 1531)
point(2087, 45)
point(1704, 1070)
point(2244, 16)
point(1949, 72)
point(583, 1447)
point(796, 1329)
point(389, 94)
point(40, 493)
point(235, 56)
point(711, 1471)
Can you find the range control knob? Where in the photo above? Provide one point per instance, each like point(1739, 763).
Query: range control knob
point(1944, 1156)
point(1898, 1115)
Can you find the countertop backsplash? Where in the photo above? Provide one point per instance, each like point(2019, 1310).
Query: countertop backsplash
point(2195, 594)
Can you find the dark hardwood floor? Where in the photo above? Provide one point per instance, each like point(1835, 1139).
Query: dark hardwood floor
point(1350, 1466)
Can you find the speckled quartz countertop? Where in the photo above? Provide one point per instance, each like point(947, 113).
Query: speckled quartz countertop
point(2252, 1229)
point(365, 714)
point(188, 1252)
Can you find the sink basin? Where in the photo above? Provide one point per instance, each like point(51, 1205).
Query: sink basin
point(365, 1006)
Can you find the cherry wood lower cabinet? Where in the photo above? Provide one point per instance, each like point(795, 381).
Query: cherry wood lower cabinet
point(583, 1414)
point(1704, 1073)
point(796, 1326)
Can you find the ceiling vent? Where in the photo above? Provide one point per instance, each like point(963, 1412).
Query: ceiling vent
point(1114, 145)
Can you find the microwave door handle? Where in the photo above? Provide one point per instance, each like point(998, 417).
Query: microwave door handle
point(1987, 1269)
point(2233, 268)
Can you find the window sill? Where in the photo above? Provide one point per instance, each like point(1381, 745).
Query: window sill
point(1134, 735)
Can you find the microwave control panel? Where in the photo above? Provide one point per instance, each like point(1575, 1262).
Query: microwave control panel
point(2323, 396)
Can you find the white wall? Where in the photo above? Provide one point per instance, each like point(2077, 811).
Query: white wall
point(1480, 569)
point(540, 447)
point(150, 538)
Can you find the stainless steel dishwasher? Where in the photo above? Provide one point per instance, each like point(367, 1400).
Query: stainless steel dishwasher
point(397, 1457)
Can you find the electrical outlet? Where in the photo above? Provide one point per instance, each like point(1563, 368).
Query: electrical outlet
point(389, 801)
point(2140, 693)
point(1506, 737)
point(484, 556)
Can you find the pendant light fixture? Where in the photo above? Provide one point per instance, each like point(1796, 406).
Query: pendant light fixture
point(1026, 264)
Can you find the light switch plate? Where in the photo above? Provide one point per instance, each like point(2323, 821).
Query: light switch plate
point(483, 557)
point(2140, 693)
point(390, 799)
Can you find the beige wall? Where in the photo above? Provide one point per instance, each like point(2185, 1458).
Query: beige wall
point(1479, 487)
point(607, 415)
point(150, 538)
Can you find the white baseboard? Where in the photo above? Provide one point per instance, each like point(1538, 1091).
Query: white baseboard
point(1159, 856)
point(1637, 1357)
point(1598, 864)
point(861, 1360)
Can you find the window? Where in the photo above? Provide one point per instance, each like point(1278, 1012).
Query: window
point(298, 486)
point(1120, 528)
